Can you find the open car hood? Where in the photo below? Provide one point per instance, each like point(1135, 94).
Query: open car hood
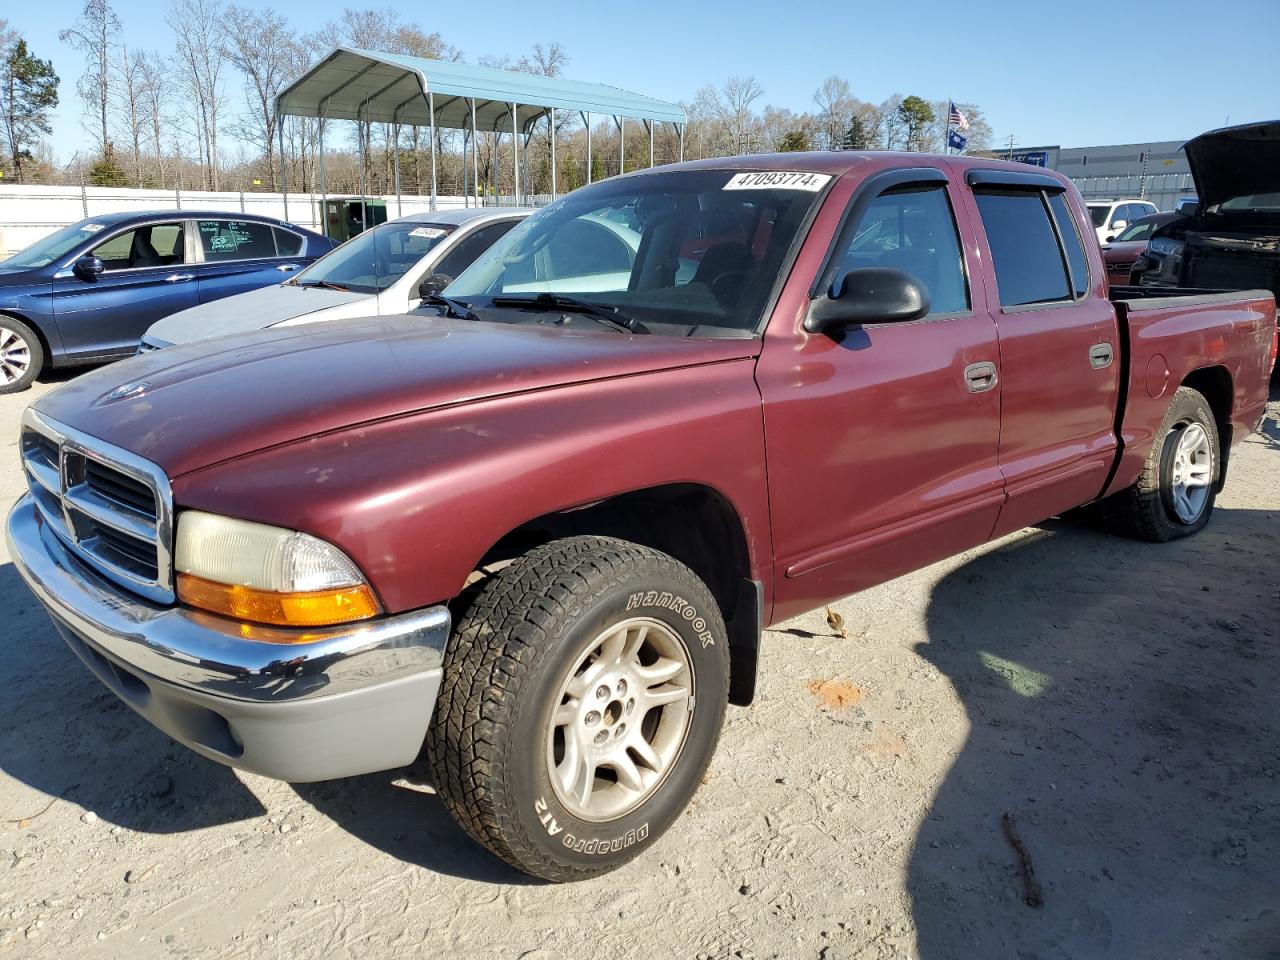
point(1235, 161)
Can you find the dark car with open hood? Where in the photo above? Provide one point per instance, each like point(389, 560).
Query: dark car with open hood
point(1231, 240)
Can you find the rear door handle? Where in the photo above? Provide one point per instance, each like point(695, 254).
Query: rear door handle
point(980, 377)
point(1100, 355)
point(179, 277)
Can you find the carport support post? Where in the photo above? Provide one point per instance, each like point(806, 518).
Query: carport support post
point(431, 110)
point(553, 153)
point(395, 158)
point(475, 162)
point(681, 142)
point(648, 125)
point(360, 138)
point(324, 224)
point(515, 157)
point(284, 186)
point(622, 145)
point(586, 119)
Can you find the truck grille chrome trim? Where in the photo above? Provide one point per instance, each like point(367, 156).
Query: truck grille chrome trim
point(112, 508)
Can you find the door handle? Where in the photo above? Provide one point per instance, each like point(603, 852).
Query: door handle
point(179, 277)
point(287, 267)
point(980, 377)
point(1100, 355)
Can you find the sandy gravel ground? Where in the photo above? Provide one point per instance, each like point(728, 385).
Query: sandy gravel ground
point(1120, 701)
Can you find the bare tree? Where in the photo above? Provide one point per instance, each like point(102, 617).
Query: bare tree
point(130, 102)
point(198, 32)
point(735, 100)
point(835, 104)
point(155, 103)
point(259, 43)
point(96, 35)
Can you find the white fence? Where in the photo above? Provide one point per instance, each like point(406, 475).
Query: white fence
point(29, 213)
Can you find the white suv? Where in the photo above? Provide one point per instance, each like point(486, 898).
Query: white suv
point(1112, 216)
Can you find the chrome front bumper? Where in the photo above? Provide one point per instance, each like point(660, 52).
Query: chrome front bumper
point(294, 705)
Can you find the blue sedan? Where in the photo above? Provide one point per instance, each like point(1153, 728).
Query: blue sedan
point(86, 293)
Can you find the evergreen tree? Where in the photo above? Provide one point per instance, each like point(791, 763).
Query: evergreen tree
point(794, 140)
point(28, 94)
point(106, 170)
point(856, 137)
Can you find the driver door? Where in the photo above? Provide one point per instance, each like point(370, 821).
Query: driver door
point(882, 439)
point(147, 276)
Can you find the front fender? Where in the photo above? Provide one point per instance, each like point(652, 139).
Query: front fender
point(416, 501)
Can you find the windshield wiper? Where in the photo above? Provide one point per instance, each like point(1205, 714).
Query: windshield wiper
point(452, 307)
point(609, 316)
point(326, 284)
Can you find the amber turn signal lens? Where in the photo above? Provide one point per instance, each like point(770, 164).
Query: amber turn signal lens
point(317, 609)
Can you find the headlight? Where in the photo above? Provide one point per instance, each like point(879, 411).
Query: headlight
point(1164, 247)
point(251, 571)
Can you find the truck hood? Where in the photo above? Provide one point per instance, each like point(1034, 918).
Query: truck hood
point(245, 312)
point(1235, 161)
point(189, 407)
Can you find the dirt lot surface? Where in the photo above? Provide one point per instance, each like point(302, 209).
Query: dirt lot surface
point(1121, 701)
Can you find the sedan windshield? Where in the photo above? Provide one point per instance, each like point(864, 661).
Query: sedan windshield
point(53, 247)
point(686, 253)
point(375, 259)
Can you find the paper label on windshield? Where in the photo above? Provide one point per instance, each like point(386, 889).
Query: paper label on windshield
point(92, 227)
point(430, 233)
point(778, 180)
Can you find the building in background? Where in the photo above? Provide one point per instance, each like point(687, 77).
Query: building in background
point(1151, 171)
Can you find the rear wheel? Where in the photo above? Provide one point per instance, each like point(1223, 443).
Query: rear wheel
point(1174, 497)
point(583, 694)
point(21, 355)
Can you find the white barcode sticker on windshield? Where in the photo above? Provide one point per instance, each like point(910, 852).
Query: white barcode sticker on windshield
point(429, 232)
point(92, 227)
point(777, 180)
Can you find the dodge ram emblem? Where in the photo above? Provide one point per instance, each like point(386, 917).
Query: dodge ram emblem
point(135, 389)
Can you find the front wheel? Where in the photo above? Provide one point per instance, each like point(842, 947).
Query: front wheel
point(584, 690)
point(21, 355)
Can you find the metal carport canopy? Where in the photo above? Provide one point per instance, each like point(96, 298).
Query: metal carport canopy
point(368, 85)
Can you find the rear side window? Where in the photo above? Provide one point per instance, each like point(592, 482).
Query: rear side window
point(236, 240)
point(287, 244)
point(1076, 259)
point(1024, 247)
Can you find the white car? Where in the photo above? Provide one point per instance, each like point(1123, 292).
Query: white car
point(378, 272)
point(1112, 216)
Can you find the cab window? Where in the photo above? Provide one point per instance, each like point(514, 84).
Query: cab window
point(912, 229)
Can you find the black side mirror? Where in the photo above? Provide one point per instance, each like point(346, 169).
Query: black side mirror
point(89, 267)
point(868, 295)
point(433, 285)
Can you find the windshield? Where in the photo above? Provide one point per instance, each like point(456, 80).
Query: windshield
point(53, 247)
point(1262, 202)
point(1139, 230)
point(1099, 213)
point(377, 258)
point(690, 252)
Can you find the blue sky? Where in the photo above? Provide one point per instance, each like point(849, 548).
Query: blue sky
point(1076, 74)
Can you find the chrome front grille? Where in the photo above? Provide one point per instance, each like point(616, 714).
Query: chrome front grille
point(111, 507)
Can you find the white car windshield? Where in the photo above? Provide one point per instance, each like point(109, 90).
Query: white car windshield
point(375, 259)
point(689, 252)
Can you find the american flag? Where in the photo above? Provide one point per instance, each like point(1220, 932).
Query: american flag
point(957, 119)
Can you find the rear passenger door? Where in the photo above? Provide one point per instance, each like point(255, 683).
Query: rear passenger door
point(1058, 346)
point(241, 255)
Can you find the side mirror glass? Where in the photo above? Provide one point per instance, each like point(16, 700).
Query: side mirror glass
point(433, 285)
point(89, 267)
point(868, 295)
point(1118, 225)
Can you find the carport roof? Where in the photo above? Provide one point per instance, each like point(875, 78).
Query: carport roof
point(351, 84)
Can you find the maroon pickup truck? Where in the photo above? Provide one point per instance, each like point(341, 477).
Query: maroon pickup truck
point(540, 532)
